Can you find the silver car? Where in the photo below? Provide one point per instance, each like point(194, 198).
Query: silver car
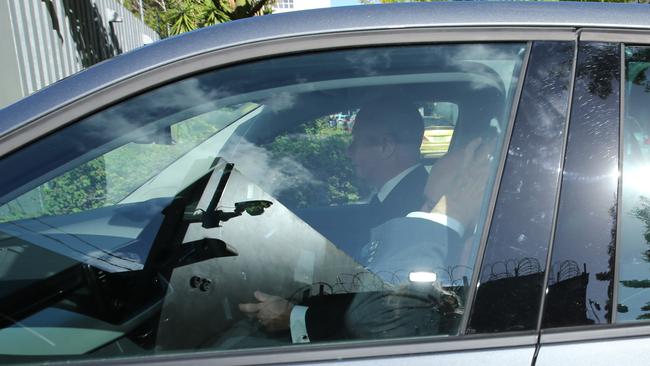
point(190, 202)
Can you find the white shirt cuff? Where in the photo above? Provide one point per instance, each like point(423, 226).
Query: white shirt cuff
point(441, 219)
point(298, 324)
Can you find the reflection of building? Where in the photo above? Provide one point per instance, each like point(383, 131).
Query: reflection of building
point(47, 40)
point(567, 295)
point(510, 295)
point(283, 6)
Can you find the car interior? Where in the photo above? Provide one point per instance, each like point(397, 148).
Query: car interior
point(188, 260)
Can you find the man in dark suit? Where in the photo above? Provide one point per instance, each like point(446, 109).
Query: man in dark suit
point(407, 258)
point(385, 151)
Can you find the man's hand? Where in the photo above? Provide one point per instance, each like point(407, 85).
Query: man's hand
point(458, 184)
point(273, 312)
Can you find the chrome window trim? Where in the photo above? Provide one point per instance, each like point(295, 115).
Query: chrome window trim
point(474, 284)
point(615, 35)
point(95, 100)
point(332, 352)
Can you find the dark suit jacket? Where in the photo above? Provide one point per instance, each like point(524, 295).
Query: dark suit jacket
point(326, 316)
point(407, 196)
point(397, 308)
point(348, 227)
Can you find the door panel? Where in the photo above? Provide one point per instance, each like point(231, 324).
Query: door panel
point(626, 351)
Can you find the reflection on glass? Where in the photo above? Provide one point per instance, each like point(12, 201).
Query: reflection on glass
point(580, 281)
point(512, 273)
point(634, 248)
point(259, 200)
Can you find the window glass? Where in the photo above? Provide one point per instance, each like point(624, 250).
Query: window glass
point(322, 197)
point(108, 179)
point(439, 121)
point(634, 248)
point(512, 275)
point(581, 273)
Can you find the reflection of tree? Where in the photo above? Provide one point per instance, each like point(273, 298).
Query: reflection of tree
point(636, 60)
point(322, 150)
point(611, 262)
point(639, 76)
point(642, 212)
point(637, 66)
point(599, 72)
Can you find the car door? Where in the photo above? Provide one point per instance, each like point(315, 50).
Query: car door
point(596, 298)
point(181, 196)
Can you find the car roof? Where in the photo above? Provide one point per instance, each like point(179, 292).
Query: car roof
point(321, 21)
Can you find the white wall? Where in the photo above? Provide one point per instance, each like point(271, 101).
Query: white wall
point(44, 41)
point(304, 5)
point(11, 89)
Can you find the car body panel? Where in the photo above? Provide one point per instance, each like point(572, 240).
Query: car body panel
point(603, 346)
point(631, 351)
point(440, 350)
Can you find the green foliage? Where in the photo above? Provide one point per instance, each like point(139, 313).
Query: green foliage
point(212, 14)
point(183, 18)
point(80, 189)
point(171, 17)
point(636, 283)
point(322, 150)
point(642, 212)
point(108, 179)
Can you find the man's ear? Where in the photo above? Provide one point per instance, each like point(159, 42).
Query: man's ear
point(387, 147)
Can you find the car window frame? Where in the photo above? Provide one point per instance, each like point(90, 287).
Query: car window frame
point(132, 86)
point(613, 330)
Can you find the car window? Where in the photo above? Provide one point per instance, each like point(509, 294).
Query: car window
point(292, 200)
point(634, 247)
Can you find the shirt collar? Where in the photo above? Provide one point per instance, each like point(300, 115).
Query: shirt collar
point(385, 190)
